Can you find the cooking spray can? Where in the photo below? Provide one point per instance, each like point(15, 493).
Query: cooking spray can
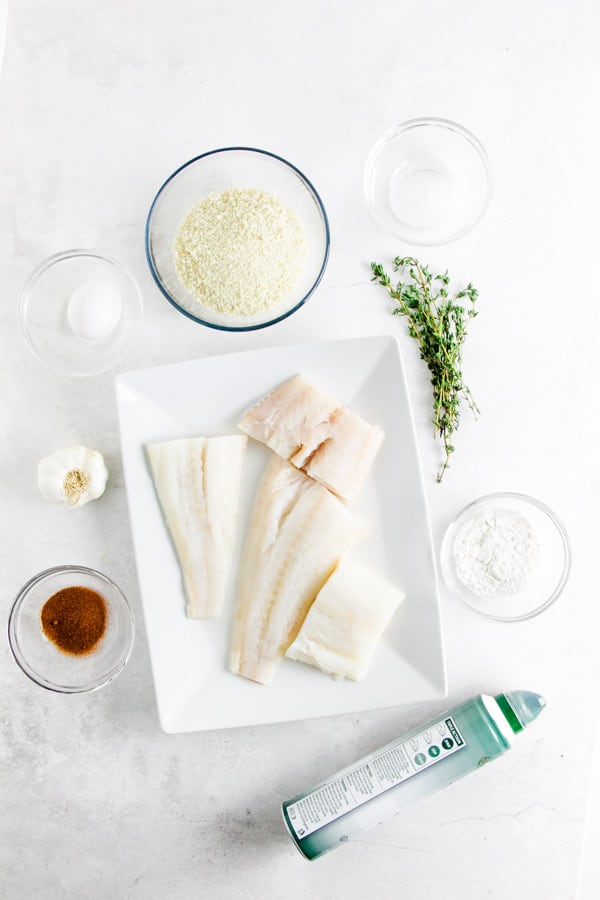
point(407, 769)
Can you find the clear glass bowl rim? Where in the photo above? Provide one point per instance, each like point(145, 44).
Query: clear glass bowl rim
point(21, 660)
point(37, 273)
point(527, 499)
point(308, 184)
point(394, 132)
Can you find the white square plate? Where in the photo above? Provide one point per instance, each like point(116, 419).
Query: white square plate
point(194, 688)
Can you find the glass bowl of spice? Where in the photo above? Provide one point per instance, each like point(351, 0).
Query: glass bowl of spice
point(237, 239)
point(71, 629)
point(506, 556)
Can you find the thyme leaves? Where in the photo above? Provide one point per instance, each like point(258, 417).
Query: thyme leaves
point(437, 319)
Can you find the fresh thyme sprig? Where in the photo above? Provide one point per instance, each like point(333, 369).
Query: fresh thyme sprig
point(437, 321)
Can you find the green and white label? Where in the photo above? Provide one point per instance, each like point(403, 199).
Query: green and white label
point(374, 776)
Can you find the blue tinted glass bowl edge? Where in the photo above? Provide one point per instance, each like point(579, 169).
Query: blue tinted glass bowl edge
point(214, 325)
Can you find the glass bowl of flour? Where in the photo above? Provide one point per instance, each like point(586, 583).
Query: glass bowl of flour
point(506, 556)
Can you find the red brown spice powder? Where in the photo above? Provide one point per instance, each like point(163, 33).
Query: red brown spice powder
point(74, 619)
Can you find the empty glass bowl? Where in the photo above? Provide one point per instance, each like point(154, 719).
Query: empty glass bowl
point(221, 170)
point(428, 181)
point(41, 659)
point(80, 312)
point(506, 556)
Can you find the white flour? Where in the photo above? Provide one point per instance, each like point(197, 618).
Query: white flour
point(496, 553)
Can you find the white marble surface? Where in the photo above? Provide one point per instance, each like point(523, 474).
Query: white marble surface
point(98, 102)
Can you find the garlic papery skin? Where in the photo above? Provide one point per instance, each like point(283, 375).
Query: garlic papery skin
point(74, 475)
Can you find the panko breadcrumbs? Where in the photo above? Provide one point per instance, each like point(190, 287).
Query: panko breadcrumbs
point(240, 251)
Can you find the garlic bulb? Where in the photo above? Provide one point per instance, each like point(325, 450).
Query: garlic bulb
point(74, 475)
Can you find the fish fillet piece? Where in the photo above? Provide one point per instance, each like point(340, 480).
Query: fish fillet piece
point(345, 623)
point(198, 484)
point(311, 430)
point(298, 533)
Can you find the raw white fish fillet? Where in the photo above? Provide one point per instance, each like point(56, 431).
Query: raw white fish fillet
point(311, 430)
point(345, 623)
point(297, 535)
point(198, 484)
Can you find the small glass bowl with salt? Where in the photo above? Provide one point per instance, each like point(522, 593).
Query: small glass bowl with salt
point(507, 556)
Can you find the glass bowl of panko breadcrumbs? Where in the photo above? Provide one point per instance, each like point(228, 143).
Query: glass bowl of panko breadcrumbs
point(237, 239)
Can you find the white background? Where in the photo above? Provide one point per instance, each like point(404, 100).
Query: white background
point(98, 103)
